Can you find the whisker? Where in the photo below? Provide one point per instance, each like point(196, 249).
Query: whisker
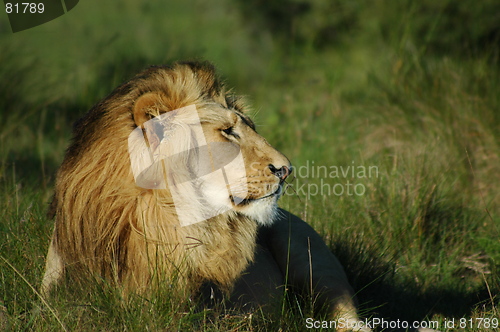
point(289, 185)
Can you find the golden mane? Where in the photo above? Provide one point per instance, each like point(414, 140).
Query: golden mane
point(115, 220)
point(105, 223)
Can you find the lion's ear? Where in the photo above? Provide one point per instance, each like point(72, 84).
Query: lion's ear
point(144, 105)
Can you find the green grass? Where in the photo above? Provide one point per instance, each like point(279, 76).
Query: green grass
point(421, 243)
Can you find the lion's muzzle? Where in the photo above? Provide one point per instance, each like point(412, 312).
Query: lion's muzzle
point(282, 173)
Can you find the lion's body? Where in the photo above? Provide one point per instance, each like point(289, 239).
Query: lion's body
point(116, 218)
point(110, 226)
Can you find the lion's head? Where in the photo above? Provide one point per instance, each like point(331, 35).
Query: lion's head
point(165, 174)
point(208, 156)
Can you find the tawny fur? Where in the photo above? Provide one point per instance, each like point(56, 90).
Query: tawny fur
point(110, 227)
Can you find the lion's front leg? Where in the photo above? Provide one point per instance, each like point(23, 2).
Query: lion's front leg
point(54, 269)
point(304, 257)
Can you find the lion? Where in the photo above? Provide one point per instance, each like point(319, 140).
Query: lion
point(167, 180)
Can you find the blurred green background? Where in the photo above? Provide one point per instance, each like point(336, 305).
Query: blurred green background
point(411, 87)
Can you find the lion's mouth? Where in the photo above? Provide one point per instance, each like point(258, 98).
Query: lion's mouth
point(248, 200)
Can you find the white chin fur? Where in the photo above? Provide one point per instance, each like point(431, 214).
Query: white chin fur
point(263, 211)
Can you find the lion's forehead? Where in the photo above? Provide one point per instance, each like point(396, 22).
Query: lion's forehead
point(224, 115)
point(214, 113)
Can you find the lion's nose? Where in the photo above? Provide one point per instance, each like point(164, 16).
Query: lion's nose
point(281, 173)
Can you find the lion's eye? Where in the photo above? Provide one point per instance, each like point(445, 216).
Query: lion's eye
point(230, 132)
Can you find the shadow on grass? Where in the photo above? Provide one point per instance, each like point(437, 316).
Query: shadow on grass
point(381, 292)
